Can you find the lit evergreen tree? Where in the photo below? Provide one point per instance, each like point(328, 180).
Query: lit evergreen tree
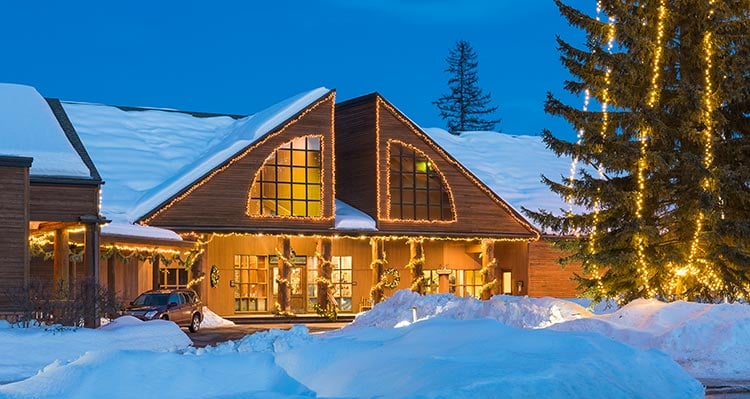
point(465, 108)
point(666, 211)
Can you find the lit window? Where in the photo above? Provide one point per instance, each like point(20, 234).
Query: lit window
point(289, 183)
point(417, 190)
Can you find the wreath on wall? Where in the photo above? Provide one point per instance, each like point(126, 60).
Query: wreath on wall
point(214, 276)
point(390, 278)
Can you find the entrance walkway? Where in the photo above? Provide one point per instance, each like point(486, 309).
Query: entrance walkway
point(212, 336)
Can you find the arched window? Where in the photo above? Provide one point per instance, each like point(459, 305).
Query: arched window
point(288, 183)
point(417, 189)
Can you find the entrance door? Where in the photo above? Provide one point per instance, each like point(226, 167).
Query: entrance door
point(297, 282)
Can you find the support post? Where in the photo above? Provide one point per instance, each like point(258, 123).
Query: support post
point(416, 264)
point(61, 268)
point(284, 306)
point(443, 281)
point(377, 266)
point(324, 272)
point(91, 256)
point(489, 264)
point(155, 272)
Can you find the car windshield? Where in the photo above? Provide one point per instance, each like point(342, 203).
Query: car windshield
point(151, 300)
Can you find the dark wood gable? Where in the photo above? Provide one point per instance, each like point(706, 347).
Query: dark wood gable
point(365, 127)
point(219, 200)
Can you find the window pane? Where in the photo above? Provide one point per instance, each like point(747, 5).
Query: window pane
point(284, 190)
point(284, 207)
point(313, 175)
point(313, 192)
point(313, 209)
point(269, 190)
point(283, 157)
point(298, 158)
point(313, 159)
point(313, 143)
point(298, 175)
point(299, 208)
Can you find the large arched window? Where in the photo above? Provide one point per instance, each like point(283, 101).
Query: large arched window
point(417, 190)
point(288, 183)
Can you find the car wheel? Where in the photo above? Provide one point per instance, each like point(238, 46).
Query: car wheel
point(164, 317)
point(195, 324)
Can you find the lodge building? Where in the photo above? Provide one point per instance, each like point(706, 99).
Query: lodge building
point(302, 206)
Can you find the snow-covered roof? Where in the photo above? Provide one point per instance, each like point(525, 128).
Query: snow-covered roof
point(148, 156)
point(28, 128)
point(351, 218)
point(510, 165)
point(120, 229)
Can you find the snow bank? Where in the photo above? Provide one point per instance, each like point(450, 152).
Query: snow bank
point(27, 350)
point(457, 348)
point(522, 312)
point(481, 358)
point(212, 320)
point(709, 341)
point(138, 374)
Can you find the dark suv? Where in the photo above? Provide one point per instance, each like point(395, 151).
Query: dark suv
point(181, 306)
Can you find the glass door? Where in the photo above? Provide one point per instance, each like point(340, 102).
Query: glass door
point(250, 283)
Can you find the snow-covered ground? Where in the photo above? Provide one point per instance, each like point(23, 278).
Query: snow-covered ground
point(409, 346)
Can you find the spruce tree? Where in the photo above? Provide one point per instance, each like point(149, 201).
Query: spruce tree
point(665, 199)
point(466, 107)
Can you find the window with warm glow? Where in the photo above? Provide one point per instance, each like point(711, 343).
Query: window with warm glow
point(289, 182)
point(417, 190)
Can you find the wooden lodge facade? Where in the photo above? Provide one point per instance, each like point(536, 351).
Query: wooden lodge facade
point(334, 205)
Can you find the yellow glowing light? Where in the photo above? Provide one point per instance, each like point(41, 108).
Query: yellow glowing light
point(250, 200)
point(644, 134)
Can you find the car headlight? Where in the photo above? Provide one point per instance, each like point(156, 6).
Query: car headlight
point(150, 314)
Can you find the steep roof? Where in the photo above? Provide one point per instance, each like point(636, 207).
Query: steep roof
point(148, 156)
point(29, 128)
point(510, 165)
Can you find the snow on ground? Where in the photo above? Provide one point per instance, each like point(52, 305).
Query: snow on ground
point(27, 350)
point(457, 347)
point(709, 341)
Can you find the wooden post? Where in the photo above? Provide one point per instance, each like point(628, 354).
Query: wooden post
point(416, 264)
point(61, 268)
point(489, 264)
point(155, 272)
point(324, 272)
point(284, 307)
point(91, 256)
point(443, 281)
point(377, 266)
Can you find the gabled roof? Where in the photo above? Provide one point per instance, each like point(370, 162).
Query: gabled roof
point(465, 169)
point(148, 156)
point(30, 128)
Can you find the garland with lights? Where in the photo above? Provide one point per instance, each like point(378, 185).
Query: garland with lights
point(416, 265)
point(214, 276)
point(486, 271)
point(329, 311)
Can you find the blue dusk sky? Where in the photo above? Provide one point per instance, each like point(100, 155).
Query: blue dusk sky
point(242, 56)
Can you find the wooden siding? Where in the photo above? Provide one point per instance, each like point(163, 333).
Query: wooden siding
point(220, 201)
point(476, 211)
point(453, 255)
point(546, 276)
point(63, 203)
point(14, 212)
point(355, 154)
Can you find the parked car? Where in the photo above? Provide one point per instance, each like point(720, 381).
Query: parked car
point(182, 306)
